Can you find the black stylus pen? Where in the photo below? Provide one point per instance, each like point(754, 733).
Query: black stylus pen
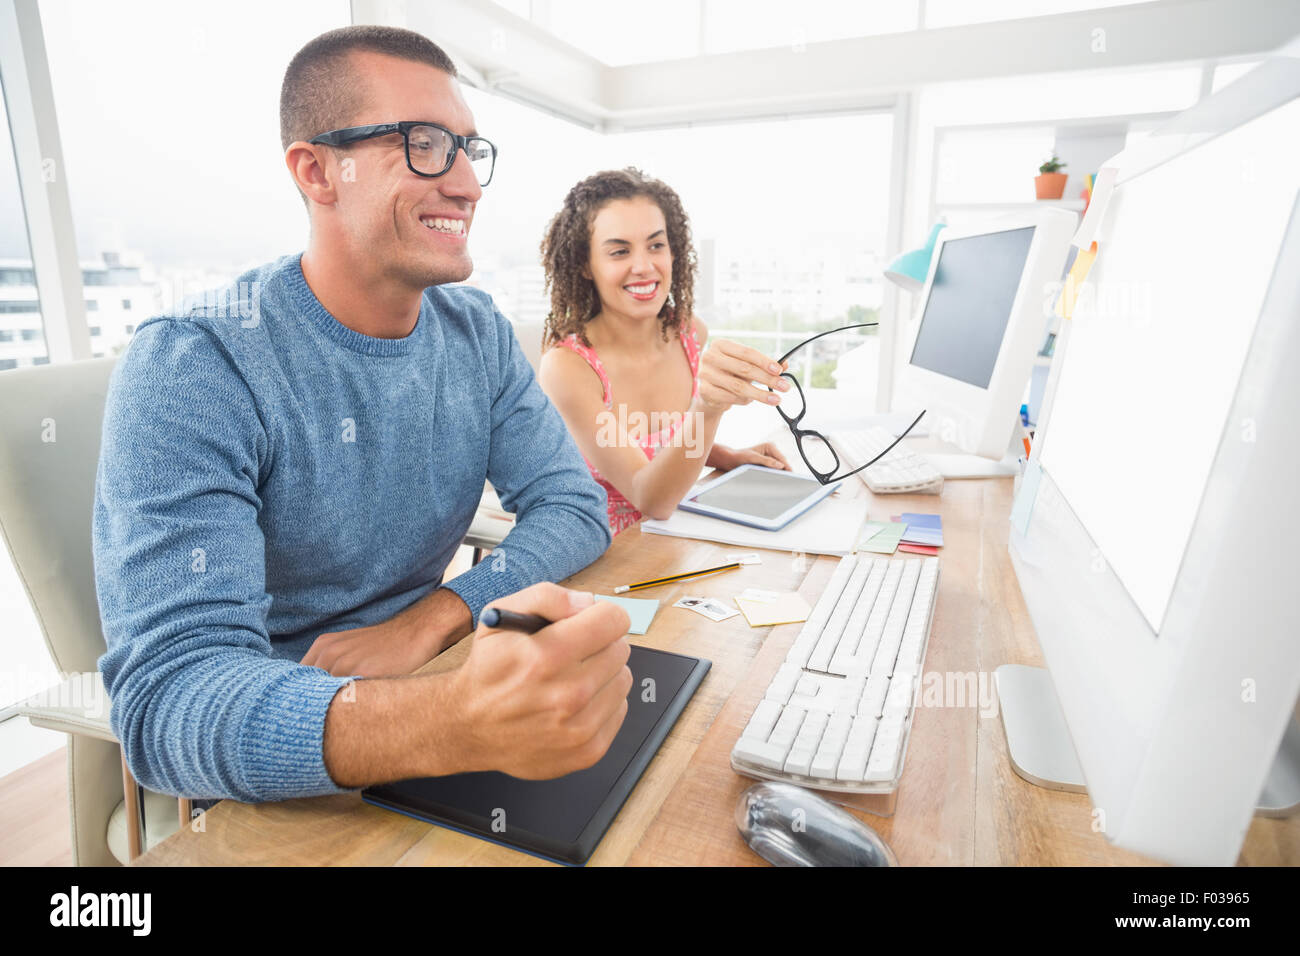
point(510, 621)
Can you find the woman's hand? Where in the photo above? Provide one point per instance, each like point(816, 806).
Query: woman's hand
point(728, 371)
point(766, 454)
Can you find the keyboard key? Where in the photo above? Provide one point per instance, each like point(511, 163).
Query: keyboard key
point(857, 750)
point(787, 727)
point(763, 720)
point(805, 745)
point(782, 685)
point(899, 698)
point(770, 756)
point(873, 697)
point(885, 751)
point(832, 746)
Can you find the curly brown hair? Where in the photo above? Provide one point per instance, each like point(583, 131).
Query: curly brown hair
point(566, 250)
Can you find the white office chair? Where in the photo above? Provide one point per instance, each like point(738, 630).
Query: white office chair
point(49, 450)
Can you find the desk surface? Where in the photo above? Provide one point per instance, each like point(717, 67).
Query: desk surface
point(959, 801)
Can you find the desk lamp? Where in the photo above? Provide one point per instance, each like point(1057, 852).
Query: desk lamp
point(909, 269)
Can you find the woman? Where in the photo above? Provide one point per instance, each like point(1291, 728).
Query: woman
point(625, 361)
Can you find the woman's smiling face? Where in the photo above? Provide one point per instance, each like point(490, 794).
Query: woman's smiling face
point(630, 261)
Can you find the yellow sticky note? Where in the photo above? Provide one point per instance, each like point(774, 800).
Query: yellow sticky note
point(1074, 281)
point(788, 608)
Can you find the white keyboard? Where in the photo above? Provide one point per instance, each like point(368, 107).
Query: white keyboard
point(838, 712)
point(899, 472)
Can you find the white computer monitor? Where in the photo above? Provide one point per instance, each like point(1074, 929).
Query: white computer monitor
point(979, 324)
point(1153, 535)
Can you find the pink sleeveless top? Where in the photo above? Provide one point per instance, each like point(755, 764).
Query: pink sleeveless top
point(622, 514)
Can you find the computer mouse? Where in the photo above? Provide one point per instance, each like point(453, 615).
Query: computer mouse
point(790, 826)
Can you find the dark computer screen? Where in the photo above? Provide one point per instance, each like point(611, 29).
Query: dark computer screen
point(970, 302)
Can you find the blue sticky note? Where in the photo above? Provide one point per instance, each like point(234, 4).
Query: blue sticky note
point(1023, 508)
point(640, 610)
point(923, 529)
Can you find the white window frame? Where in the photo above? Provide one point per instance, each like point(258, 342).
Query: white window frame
point(42, 181)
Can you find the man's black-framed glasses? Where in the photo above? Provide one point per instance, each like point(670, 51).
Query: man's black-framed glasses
point(816, 451)
point(430, 149)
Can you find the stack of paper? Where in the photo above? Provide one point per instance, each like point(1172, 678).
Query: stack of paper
point(924, 534)
point(829, 527)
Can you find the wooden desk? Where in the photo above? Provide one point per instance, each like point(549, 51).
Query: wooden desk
point(959, 802)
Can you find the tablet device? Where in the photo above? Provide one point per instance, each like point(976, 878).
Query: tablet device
point(766, 498)
point(561, 819)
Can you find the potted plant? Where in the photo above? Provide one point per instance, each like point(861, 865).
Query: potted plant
point(1050, 181)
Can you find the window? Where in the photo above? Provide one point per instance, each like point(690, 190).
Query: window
point(525, 192)
point(13, 276)
point(17, 276)
point(773, 272)
point(767, 277)
point(218, 126)
point(94, 330)
point(92, 305)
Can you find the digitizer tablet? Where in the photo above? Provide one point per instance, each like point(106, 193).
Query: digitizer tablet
point(561, 819)
point(760, 497)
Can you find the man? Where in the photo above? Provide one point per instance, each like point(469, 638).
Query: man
point(287, 471)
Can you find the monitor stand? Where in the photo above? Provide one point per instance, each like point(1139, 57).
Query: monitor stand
point(977, 466)
point(1041, 751)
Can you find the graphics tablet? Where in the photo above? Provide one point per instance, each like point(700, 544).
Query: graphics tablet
point(561, 819)
point(766, 498)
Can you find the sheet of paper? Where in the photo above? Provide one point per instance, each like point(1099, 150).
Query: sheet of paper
point(870, 530)
point(1074, 281)
point(1102, 187)
point(711, 608)
point(640, 610)
point(829, 527)
point(922, 529)
point(885, 538)
point(788, 608)
point(917, 548)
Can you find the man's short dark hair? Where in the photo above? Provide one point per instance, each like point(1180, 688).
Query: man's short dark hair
point(320, 93)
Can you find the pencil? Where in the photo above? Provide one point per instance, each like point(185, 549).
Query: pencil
point(675, 577)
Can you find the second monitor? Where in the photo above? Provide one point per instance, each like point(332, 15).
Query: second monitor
point(984, 310)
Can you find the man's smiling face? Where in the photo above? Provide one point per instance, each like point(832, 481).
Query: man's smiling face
point(411, 229)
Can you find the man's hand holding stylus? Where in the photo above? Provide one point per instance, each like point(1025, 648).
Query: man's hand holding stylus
point(542, 705)
point(534, 706)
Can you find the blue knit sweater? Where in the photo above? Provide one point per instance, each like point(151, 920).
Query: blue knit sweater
point(268, 474)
